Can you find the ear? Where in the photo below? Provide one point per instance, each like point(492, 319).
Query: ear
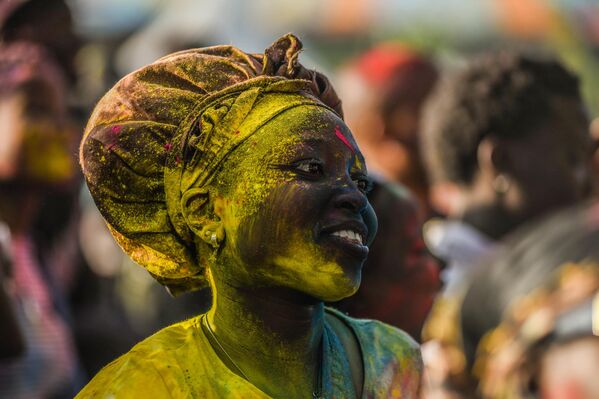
point(492, 158)
point(200, 218)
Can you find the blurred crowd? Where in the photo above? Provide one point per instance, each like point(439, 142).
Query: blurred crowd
point(485, 169)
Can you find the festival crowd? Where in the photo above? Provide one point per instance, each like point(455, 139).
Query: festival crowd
point(483, 177)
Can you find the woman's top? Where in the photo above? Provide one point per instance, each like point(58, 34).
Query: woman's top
point(179, 362)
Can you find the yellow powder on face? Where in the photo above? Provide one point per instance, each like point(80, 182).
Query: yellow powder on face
point(252, 176)
point(304, 265)
point(250, 172)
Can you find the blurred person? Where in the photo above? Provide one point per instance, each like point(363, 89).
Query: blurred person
point(383, 91)
point(11, 335)
point(47, 23)
point(506, 141)
point(400, 278)
point(88, 298)
point(215, 167)
point(35, 160)
point(595, 161)
point(530, 324)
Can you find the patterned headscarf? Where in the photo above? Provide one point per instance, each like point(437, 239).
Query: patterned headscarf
point(168, 127)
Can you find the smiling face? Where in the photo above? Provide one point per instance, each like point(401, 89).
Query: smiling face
point(294, 209)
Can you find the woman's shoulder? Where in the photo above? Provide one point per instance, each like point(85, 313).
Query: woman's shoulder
point(155, 366)
point(392, 359)
point(381, 336)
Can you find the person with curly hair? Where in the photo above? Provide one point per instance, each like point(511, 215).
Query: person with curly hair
point(215, 167)
point(506, 141)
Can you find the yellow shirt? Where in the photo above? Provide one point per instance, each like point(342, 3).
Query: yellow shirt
point(179, 362)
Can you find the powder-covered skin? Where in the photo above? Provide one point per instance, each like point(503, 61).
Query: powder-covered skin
point(210, 175)
point(275, 211)
point(178, 362)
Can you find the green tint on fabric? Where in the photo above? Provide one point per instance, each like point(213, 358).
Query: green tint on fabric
point(178, 362)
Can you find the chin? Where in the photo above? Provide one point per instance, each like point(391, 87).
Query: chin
point(338, 288)
point(322, 275)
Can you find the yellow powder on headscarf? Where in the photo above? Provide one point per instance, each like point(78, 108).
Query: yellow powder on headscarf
point(169, 127)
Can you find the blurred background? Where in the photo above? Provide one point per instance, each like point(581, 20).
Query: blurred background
point(101, 304)
point(125, 35)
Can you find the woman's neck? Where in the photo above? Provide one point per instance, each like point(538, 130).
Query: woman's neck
point(271, 335)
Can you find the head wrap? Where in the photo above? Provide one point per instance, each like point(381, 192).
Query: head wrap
point(168, 127)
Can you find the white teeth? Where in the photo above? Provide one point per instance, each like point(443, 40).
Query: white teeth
point(350, 235)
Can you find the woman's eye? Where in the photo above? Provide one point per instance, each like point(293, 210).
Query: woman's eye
point(311, 167)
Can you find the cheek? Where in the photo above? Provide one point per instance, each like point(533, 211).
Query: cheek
point(283, 221)
point(371, 222)
point(278, 244)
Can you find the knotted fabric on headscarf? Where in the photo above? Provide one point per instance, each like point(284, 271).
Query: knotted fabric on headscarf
point(168, 127)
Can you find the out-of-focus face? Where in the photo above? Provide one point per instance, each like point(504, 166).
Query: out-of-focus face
point(35, 148)
point(294, 207)
point(11, 109)
point(569, 371)
point(552, 165)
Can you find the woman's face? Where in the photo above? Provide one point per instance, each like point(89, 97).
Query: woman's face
point(294, 209)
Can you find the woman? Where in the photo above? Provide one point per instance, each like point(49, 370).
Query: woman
point(221, 168)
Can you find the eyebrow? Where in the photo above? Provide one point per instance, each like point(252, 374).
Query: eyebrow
point(312, 142)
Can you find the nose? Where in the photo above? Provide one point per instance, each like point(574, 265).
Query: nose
point(351, 199)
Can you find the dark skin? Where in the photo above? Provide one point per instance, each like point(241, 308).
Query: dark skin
point(400, 278)
point(548, 168)
point(279, 259)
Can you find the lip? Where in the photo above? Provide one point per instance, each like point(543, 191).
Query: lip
point(356, 250)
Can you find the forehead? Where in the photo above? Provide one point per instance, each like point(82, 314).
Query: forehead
point(312, 126)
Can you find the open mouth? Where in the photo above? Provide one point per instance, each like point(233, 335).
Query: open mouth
point(350, 237)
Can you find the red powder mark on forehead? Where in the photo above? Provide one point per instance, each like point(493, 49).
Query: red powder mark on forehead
point(116, 129)
point(341, 137)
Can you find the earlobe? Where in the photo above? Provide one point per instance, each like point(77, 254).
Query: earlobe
point(493, 162)
point(213, 233)
point(200, 220)
point(492, 157)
